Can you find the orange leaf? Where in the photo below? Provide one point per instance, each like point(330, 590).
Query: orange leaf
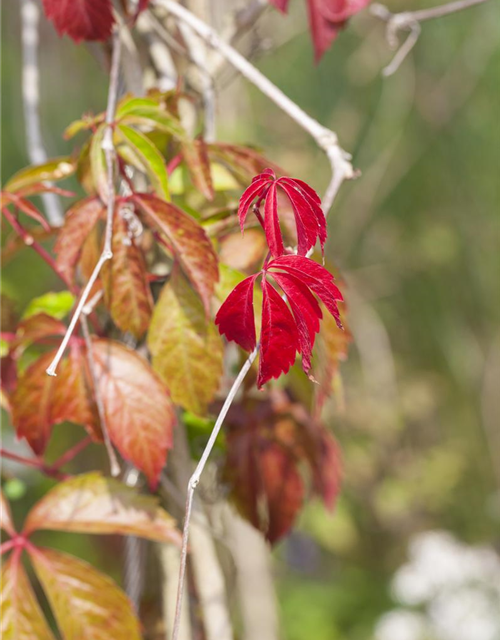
point(139, 414)
point(91, 503)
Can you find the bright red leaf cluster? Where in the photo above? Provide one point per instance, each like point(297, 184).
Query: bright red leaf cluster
point(287, 329)
point(326, 19)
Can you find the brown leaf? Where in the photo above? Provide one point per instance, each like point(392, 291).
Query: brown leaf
point(186, 347)
point(6, 522)
point(80, 220)
point(243, 252)
point(21, 616)
point(190, 243)
point(139, 414)
point(87, 605)
point(243, 162)
point(91, 503)
point(126, 289)
point(196, 158)
point(37, 327)
point(41, 401)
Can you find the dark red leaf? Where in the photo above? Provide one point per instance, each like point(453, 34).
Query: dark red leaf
point(278, 338)
point(81, 19)
point(236, 317)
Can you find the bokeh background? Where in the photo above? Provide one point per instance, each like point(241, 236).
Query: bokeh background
point(411, 552)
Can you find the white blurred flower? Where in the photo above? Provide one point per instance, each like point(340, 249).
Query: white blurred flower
point(400, 624)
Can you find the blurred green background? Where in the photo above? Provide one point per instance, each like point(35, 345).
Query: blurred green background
point(416, 239)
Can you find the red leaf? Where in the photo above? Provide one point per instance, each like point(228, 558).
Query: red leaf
point(279, 337)
point(236, 317)
point(189, 241)
point(6, 521)
point(316, 277)
point(80, 220)
point(41, 401)
point(37, 327)
point(306, 204)
point(139, 414)
point(306, 312)
point(26, 207)
point(81, 19)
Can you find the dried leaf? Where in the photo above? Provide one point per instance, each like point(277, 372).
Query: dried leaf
point(139, 414)
point(87, 605)
point(91, 503)
point(186, 348)
point(195, 156)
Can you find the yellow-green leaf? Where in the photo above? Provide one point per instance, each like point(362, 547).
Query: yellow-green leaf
point(186, 347)
point(98, 163)
point(87, 605)
point(149, 157)
point(55, 169)
point(21, 617)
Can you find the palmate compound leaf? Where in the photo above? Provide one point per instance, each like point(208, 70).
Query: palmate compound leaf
point(91, 503)
point(81, 19)
point(21, 617)
point(139, 413)
point(186, 349)
point(189, 242)
point(306, 204)
point(126, 288)
point(326, 19)
point(284, 332)
point(41, 401)
point(87, 605)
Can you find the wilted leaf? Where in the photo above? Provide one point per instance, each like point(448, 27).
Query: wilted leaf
point(149, 157)
point(81, 20)
point(126, 288)
point(91, 503)
point(186, 348)
point(6, 522)
point(41, 401)
point(55, 169)
point(54, 304)
point(79, 222)
point(21, 617)
point(243, 162)
point(189, 241)
point(139, 414)
point(86, 604)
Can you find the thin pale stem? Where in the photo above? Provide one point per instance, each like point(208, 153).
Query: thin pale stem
point(195, 479)
point(113, 462)
point(109, 152)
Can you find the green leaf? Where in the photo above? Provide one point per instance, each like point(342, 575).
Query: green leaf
point(87, 605)
point(91, 503)
point(156, 118)
point(189, 241)
point(126, 289)
point(21, 617)
point(57, 305)
point(98, 163)
point(56, 169)
point(128, 105)
point(186, 348)
point(150, 158)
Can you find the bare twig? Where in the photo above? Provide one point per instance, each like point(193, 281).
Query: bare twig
point(327, 140)
point(195, 479)
point(108, 147)
point(113, 462)
point(30, 16)
point(410, 21)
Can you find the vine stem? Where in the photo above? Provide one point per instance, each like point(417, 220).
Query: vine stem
point(195, 479)
point(36, 463)
point(327, 140)
point(410, 21)
point(109, 152)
